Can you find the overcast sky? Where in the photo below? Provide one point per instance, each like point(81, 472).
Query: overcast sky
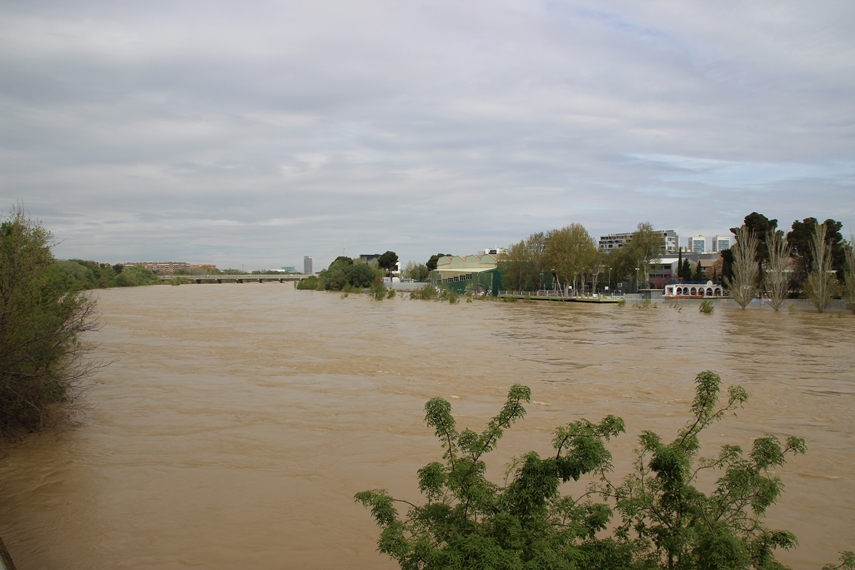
point(259, 132)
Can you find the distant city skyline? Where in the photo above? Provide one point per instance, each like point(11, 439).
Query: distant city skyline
point(257, 133)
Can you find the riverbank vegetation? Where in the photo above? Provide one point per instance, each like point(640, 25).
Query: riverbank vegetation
point(43, 314)
point(82, 274)
point(568, 257)
point(659, 516)
point(811, 261)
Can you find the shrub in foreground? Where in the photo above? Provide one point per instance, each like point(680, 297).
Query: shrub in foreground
point(664, 520)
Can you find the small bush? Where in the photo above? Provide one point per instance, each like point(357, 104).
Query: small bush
point(308, 284)
point(426, 293)
point(377, 291)
point(451, 296)
point(706, 307)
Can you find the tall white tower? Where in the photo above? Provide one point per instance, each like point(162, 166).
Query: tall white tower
point(697, 244)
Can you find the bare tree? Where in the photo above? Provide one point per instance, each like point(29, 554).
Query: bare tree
point(775, 270)
point(743, 286)
point(820, 281)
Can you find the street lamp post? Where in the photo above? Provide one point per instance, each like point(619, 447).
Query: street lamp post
point(636, 279)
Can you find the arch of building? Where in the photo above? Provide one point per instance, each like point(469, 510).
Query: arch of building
point(708, 290)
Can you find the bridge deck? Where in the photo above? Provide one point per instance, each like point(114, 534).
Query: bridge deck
point(243, 278)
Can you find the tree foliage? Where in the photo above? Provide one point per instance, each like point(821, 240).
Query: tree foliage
point(760, 227)
point(431, 263)
point(743, 284)
point(685, 270)
point(346, 272)
point(529, 522)
point(387, 261)
point(644, 247)
point(775, 268)
point(820, 281)
point(42, 316)
point(416, 271)
point(849, 274)
point(80, 274)
point(569, 252)
point(523, 267)
point(801, 239)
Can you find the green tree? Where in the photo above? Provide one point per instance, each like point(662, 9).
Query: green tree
point(135, 275)
point(522, 265)
point(387, 261)
point(431, 263)
point(675, 525)
point(801, 240)
point(529, 522)
point(346, 272)
point(416, 271)
point(513, 266)
point(726, 265)
point(775, 268)
point(570, 251)
point(645, 246)
point(361, 275)
point(42, 357)
point(743, 284)
point(686, 270)
point(700, 273)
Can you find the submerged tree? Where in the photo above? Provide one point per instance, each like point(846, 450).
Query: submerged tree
point(820, 281)
point(42, 357)
point(743, 284)
point(528, 522)
point(775, 271)
point(849, 276)
point(760, 227)
point(801, 238)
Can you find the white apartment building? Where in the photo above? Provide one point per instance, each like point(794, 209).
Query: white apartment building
point(615, 241)
point(697, 244)
point(720, 243)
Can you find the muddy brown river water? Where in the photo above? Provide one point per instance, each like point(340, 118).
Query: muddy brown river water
point(236, 422)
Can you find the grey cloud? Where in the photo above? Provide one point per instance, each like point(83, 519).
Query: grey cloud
point(262, 132)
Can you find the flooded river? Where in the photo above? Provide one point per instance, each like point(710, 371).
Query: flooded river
point(236, 422)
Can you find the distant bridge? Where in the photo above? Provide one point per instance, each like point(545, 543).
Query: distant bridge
point(240, 278)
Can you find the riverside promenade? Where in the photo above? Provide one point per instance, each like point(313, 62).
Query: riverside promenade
point(549, 295)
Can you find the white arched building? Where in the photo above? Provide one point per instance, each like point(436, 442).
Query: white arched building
point(697, 290)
